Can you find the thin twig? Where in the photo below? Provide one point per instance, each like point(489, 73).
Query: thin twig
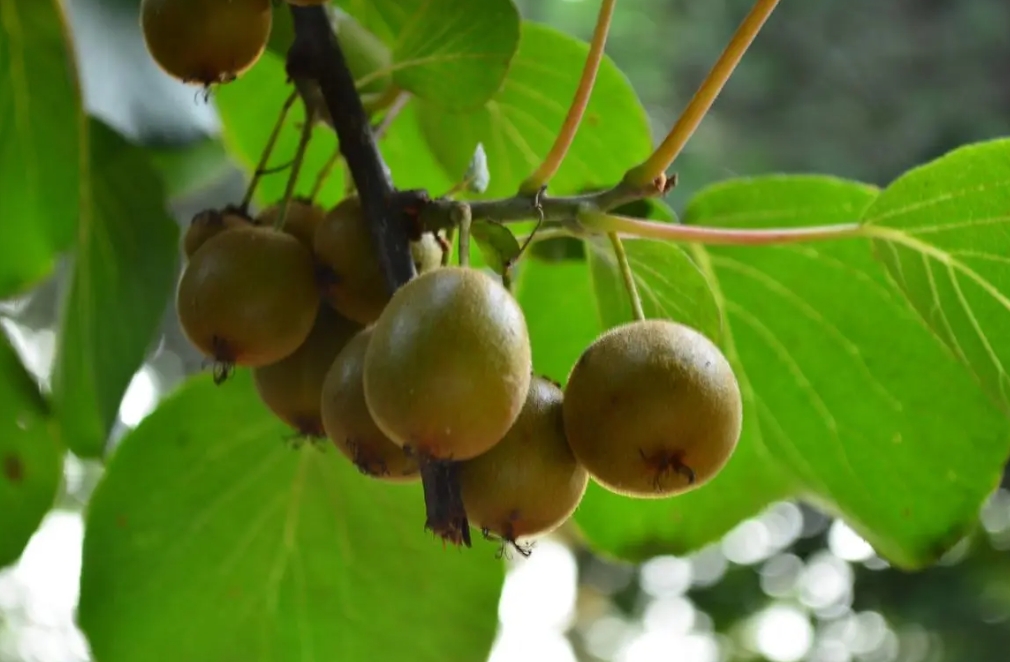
point(296, 167)
point(261, 167)
point(627, 275)
point(563, 141)
point(654, 168)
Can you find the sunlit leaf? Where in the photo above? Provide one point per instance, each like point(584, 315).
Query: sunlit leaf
point(30, 458)
point(849, 401)
point(122, 279)
point(211, 538)
point(42, 141)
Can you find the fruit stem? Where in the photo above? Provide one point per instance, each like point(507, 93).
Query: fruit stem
point(563, 141)
point(296, 166)
point(627, 275)
point(464, 237)
point(324, 173)
point(395, 108)
point(654, 168)
point(595, 221)
point(261, 167)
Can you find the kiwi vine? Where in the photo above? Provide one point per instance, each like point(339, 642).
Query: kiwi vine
point(343, 314)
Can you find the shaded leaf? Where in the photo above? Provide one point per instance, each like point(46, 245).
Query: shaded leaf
point(943, 232)
point(123, 276)
point(497, 244)
point(669, 283)
point(849, 401)
point(190, 168)
point(210, 538)
point(31, 460)
point(42, 141)
point(451, 53)
point(518, 125)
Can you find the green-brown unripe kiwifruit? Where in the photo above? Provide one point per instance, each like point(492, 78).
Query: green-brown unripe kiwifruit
point(301, 220)
point(208, 223)
point(349, 424)
point(449, 364)
point(529, 483)
point(652, 409)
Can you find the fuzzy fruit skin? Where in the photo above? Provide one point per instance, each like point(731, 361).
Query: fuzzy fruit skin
point(529, 483)
point(343, 245)
point(307, 3)
point(208, 223)
point(205, 41)
point(301, 221)
point(248, 296)
point(292, 387)
point(350, 426)
point(656, 389)
point(449, 364)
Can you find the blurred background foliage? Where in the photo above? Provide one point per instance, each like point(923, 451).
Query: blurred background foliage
point(861, 89)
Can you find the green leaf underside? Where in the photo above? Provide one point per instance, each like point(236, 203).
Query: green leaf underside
point(210, 539)
point(123, 275)
point(561, 314)
point(249, 109)
point(30, 458)
point(42, 138)
point(849, 401)
point(452, 53)
point(497, 244)
point(943, 232)
point(519, 124)
point(669, 283)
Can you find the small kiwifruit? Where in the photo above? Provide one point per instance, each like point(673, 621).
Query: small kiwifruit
point(349, 424)
point(292, 387)
point(529, 483)
point(248, 296)
point(205, 41)
point(208, 223)
point(652, 409)
point(355, 283)
point(302, 219)
point(449, 364)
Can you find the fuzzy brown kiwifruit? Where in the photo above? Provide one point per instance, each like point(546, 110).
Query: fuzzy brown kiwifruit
point(652, 409)
point(301, 220)
point(529, 483)
point(449, 364)
point(248, 297)
point(208, 223)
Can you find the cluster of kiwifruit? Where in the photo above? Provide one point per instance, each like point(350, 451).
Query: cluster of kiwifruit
point(208, 42)
point(442, 370)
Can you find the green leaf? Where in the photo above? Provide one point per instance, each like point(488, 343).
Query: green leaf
point(42, 141)
point(190, 168)
point(849, 402)
point(122, 279)
point(943, 232)
point(496, 243)
point(30, 458)
point(409, 158)
point(557, 300)
point(249, 109)
point(519, 124)
point(670, 285)
point(451, 53)
point(209, 538)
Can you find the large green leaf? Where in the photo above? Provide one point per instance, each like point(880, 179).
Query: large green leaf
point(519, 124)
point(122, 280)
point(30, 458)
point(451, 53)
point(42, 141)
point(210, 539)
point(848, 400)
point(943, 231)
point(249, 110)
point(669, 284)
point(557, 299)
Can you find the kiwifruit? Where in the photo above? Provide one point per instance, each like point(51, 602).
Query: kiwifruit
point(652, 409)
point(449, 364)
point(248, 297)
point(205, 41)
point(292, 387)
point(307, 3)
point(355, 283)
point(208, 223)
point(302, 219)
point(529, 483)
point(349, 424)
